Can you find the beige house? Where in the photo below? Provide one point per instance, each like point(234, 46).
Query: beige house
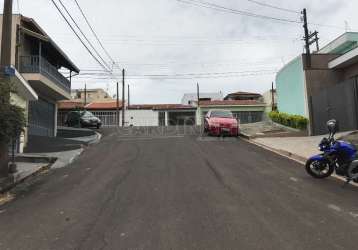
point(92, 95)
point(36, 61)
point(270, 96)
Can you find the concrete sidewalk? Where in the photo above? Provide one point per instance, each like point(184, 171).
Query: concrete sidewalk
point(44, 153)
point(298, 148)
point(24, 171)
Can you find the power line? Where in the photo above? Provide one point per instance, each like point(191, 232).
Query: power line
point(182, 77)
point(220, 8)
point(217, 7)
point(274, 7)
point(18, 6)
point(79, 38)
point(93, 32)
point(83, 34)
point(207, 74)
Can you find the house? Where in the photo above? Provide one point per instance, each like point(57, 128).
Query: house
point(327, 89)
point(135, 115)
point(23, 95)
point(270, 99)
point(247, 111)
point(240, 95)
point(192, 98)
point(106, 111)
point(92, 95)
point(37, 60)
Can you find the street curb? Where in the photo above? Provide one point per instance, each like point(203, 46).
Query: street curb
point(287, 154)
point(299, 159)
point(97, 140)
point(88, 140)
point(246, 136)
point(13, 181)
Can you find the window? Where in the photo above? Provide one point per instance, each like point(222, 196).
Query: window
point(221, 113)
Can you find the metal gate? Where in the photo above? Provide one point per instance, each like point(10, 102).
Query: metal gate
point(336, 102)
point(42, 118)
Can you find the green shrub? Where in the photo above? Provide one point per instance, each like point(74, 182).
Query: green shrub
point(293, 121)
point(12, 117)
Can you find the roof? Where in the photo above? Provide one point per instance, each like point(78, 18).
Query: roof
point(141, 106)
point(87, 90)
point(22, 87)
point(70, 104)
point(232, 103)
point(160, 106)
point(241, 93)
point(194, 96)
point(103, 105)
point(42, 35)
point(341, 44)
point(344, 60)
point(172, 106)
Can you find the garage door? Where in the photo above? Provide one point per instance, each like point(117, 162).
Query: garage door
point(41, 118)
point(181, 118)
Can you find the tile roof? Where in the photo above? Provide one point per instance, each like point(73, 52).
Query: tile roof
point(70, 104)
point(160, 106)
point(103, 105)
point(243, 93)
point(141, 106)
point(172, 106)
point(231, 102)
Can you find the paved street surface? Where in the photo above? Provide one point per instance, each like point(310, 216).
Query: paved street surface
point(175, 192)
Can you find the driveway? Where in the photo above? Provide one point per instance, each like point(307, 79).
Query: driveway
point(146, 191)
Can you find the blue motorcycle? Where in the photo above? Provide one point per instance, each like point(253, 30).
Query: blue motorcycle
point(338, 156)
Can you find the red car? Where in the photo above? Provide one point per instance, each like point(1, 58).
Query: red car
point(221, 122)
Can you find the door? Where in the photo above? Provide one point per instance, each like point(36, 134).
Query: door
point(336, 102)
point(42, 118)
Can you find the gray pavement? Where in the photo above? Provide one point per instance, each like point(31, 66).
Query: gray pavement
point(302, 147)
point(165, 192)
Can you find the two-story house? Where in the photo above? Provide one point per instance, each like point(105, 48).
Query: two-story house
point(39, 60)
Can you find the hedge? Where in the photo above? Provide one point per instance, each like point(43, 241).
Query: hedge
point(293, 121)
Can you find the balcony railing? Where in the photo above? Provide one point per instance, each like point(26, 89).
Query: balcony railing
point(37, 64)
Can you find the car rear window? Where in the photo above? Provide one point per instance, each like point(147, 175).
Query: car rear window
point(221, 113)
point(87, 114)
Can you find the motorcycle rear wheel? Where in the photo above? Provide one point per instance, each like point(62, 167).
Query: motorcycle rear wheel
point(352, 172)
point(319, 169)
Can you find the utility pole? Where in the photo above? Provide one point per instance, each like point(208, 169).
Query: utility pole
point(306, 38)
point(117, 108)
point(128, 93)
point(309, 38)
point(85, 94)
point(272, 98)
point(5, 61)
point(198, 93)
point(123, 97)
point(316, 40)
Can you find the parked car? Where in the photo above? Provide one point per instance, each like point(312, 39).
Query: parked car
point(221, 122)
point(82, 119)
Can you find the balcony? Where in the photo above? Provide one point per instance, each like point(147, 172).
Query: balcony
point(39, 65)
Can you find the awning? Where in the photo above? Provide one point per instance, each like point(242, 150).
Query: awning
point(344, 60)
point(22, 87)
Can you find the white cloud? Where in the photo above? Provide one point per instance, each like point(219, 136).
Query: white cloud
point(171, 37)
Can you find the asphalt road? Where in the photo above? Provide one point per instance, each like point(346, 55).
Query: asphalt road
point(152, 192)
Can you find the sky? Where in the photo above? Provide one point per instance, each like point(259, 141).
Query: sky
point(186, 43)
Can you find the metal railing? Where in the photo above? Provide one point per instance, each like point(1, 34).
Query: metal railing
point(37, 64)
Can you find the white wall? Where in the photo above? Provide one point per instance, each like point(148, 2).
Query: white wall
point(141, 118)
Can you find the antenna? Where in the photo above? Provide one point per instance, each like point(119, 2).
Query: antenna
point(346, 26)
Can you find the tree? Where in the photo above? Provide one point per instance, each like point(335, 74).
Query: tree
point(12, 124)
